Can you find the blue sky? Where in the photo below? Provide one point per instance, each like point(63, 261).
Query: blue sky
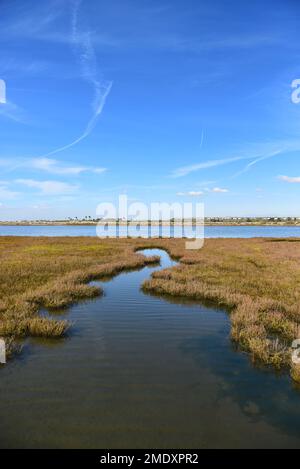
point(166, 101)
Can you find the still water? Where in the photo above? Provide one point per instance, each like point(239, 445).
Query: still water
point(165, 231)
point(143, 371)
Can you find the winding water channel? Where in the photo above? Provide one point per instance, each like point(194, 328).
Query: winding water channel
point(143, 371)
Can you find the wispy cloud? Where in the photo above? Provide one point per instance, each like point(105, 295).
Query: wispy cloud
point(260, 158)
point(199, 193)
point(6, 193)
point(53, 166)
point(190, 193)
point(291, 180)
point(83, 48)
point(48, 165)
point(266, 151)
point(30, 23)
point(206, 43)
point(99, 170)
point(185, 170)
point(57, 167)
point(219, 190)
point(260, 152)
point(13, 112)
point(241, 42)
point(48, 187)
point(11, 66)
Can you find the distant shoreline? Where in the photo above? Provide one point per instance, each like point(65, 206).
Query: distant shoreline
point(143, 223)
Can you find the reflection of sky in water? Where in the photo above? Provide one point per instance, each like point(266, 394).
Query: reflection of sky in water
point(260, 393)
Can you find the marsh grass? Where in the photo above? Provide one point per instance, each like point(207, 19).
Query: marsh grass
point(256, 280)
point(54, 273)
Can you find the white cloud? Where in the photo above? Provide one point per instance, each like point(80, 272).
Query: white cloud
point(55, 167)
point(48, 165)
point(48, 187)
point(219, 189)
point(199, 193)
point(289, 179)
point(190, 193)
point(99, 170)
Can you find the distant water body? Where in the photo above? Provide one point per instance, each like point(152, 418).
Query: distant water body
point(156, 231)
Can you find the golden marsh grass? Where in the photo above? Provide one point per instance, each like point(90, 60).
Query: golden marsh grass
point(256, 280)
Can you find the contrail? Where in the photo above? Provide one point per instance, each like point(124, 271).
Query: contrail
point(257, 160)
point(202, 138)
point(82, 44)
point(90, 126)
